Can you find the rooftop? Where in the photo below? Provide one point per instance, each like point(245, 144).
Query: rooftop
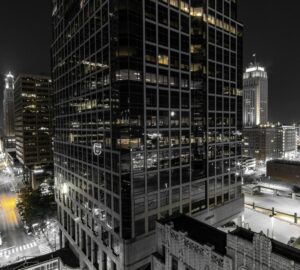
point(66, 255)
point(255, 67)
point(284, 161)
point(199, 232)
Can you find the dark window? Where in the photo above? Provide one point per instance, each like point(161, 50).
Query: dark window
point(163, 15)
point(151, 222)
point(163, 36)
point(152, 183)
point(139, 227)
point(174, 264)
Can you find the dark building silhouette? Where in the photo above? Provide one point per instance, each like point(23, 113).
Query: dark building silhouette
point(148, 114)
point(34, 127)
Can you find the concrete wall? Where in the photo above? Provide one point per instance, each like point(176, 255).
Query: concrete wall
point(222, 214)
point(257, 254)
point(139, 248)
point(287, 172)
point(188, 253)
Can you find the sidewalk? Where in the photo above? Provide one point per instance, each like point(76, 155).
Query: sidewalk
point(43, 244)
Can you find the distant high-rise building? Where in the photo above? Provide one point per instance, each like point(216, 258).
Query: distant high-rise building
point(33, 126)
point(255, 93)
point(8, 106)
point(8, 114)
point(2, 83)
point(148, 119)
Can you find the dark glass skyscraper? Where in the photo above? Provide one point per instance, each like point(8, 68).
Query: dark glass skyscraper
point(147, 121)
point(33, 125)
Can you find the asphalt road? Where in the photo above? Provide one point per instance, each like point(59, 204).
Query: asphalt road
point(15, 242)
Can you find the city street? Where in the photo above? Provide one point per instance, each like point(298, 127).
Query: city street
point(15, 244)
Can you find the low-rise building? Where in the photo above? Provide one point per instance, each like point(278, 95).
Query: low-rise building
point(248, 163)
point(284, 170)
point(250, 251)
point(184, 243)
point(268, 142)
point(63, 259)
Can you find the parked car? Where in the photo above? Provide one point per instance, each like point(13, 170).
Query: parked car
point(36, 229)
point(292, 241)
point(27, 230)
point(229, 224)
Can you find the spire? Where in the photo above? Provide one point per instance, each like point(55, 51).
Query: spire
point(9, 80)
point(254, 58)
point(9, 75)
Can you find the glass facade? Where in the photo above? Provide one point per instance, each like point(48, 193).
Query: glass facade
point(33, 126)
point(147, 117)
point(216, 83)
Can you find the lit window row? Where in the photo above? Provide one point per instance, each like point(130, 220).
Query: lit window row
point(28, 95)
point(127, 74)
point(179, 4)
point(216, 22)
point(198, 12)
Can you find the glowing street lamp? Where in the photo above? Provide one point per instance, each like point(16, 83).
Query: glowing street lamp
point(272, 225)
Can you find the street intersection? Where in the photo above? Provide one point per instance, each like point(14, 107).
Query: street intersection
point(15, 244)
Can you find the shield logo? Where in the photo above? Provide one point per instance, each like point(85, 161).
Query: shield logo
point(97, 149)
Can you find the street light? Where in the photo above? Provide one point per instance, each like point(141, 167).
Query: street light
point(243, 220)
point(272, 226)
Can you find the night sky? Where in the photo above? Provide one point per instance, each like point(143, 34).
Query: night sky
point(271, 31)
point(25, 37)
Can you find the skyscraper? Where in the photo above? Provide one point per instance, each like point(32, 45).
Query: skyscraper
point(148, 118)
point(9, 113)
point(34, 126)
point(255, 92)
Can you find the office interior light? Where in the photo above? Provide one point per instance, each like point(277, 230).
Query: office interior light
point(64, 189)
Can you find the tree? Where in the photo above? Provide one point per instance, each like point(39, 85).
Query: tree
point(34, 207)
